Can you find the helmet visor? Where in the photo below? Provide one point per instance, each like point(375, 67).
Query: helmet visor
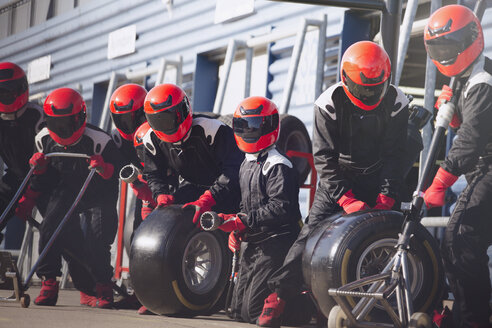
point(368, 94)
point(130, 121)
point(11, 89)
point(446, 48)
point(168, 121)
point(252, 128)
point(65, 126)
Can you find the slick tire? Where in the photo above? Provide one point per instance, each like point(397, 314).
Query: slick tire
point(293, 136)
point(175, 268)
point(347, 248)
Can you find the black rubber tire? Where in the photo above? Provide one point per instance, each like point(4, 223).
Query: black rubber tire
point(25, 301)
point(335, 247)
point(293, 136)
point(158, 267)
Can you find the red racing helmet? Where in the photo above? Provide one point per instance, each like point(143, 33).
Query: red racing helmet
point(65, 115)
point(365, 71)
point(140, 134)
point(453, 39)
point(256, 124)
point(14, 89)
point(126, 108)
point(168, 112)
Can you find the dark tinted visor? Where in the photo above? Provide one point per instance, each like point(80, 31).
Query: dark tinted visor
point(252, 128)
point(65, 126)
point(168, 121)
point(11, 89)
point(129, 122)
point(368, 94)
point(446, 48)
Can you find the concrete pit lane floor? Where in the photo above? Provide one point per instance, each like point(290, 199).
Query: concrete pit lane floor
point(68, 313)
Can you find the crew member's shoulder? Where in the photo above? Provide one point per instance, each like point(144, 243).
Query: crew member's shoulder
point(209, 125)
point(397, 100)
point(275, 158)
point(41, 139)
point(99, 137)
point(481, 74)
point(326, 101)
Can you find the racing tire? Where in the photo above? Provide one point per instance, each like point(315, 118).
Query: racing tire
point(293, 136)
point(347, 248)
point(175, 268)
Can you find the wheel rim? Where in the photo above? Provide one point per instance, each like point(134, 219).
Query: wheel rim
point(202, 263)
point(377, 255)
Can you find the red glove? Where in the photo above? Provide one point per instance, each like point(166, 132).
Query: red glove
point(142, 191)
point(147, 208)
point(234, 242)
point(39, 162)
point(232, 222)
point(434, 195)
point(384, 202)
point(26, 204)
point(350, 204)
point(105, 170)
point(444, 97)
point(202, 204)
point(164, 200)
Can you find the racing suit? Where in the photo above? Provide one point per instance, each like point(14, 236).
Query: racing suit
point(469, 231)
point(17, 131)
point(270, 198)
point(208, 159)
point(354, 150)
point(85, 241)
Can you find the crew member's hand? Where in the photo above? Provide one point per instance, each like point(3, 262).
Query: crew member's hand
point(39, 162)
point(232, 222)
point(26, 204)
point(434, 195)
point(384, 202)
point(164, 200)
point(147, 208)
point(444, 97)
point(350, 204)
point(202, 204)
point(234, 242)
point(142, 191)
point(105, 170)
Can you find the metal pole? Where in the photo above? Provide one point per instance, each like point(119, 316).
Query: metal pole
point(390, 30)
point(103, 122)
point(405, 31)
point(249, 64)
point(320, 65)
point(429, 87)
point(179, 71)
point(294, 64)
point(229, 59)
point(161, 73)
point(356, 4)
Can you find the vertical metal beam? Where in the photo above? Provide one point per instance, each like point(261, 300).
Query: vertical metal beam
point(161, 73)
point(179, 71)
point(390, 30)
point(294, 64)
point(103, 122)
point(249, 65)
point(320, 65)
point(405, 31)
point(429, 87)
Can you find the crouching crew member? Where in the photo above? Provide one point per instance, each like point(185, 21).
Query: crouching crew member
point(454, 41)
point(126, 106)
point(20, 120)
point(360, 133)
point(199, 149)
point(85, 241)
point(269, 219)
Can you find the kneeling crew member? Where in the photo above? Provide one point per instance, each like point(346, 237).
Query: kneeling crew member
point(360, 133)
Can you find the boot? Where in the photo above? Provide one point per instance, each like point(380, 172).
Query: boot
point(104, 296)
point(49, 293)
point(86, 299)
point(271, 315)
point(144, 310)
point(443, 319)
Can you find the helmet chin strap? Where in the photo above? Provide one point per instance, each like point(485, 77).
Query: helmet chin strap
point(183, 140)
point(15, 115)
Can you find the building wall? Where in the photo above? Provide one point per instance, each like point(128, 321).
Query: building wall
point(77, 41)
